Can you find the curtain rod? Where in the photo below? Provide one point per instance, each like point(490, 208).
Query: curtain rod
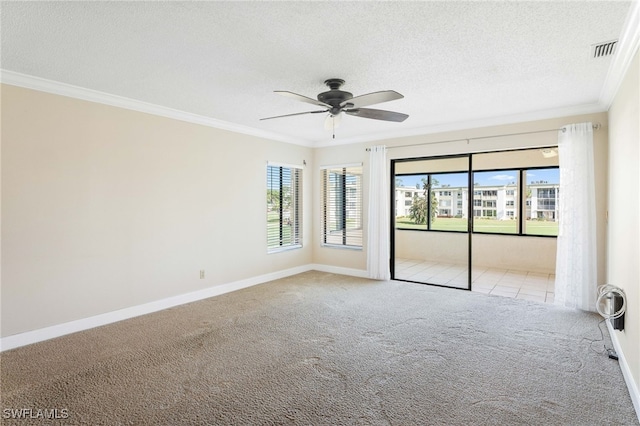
point(596, 126)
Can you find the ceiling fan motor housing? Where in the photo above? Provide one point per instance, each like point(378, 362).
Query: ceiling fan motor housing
point(335, 96)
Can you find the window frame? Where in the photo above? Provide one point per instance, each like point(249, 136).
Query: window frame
point(522, 203)
point(528, 204)
point(434, 194)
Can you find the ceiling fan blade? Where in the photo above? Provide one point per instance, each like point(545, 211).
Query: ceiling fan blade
point(372, 98)
point(297, 113)
point(377, 114)
point(332, 121)
point(302, 98)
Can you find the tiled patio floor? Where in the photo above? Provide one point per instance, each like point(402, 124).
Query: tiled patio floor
point(498, 282)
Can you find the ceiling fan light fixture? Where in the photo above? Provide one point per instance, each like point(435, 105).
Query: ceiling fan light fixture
point(331, 122)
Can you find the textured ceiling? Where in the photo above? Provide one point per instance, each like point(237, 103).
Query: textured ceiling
point(454, 62)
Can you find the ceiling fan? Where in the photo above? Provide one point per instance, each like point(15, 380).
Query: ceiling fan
point(336, 101)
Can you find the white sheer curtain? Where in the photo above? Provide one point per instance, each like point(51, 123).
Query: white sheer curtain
point(378, 215)
point(576, 279)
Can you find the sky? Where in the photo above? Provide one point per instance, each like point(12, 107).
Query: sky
point(502, 177)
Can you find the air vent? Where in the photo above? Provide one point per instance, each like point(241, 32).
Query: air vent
point(601, 50)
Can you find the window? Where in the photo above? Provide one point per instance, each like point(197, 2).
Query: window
point(438, 201)
point(498, 201)
point(543, 198)
point(342, 206)
point(284, 207)
point(546, 204)
point(408, 202)
point(521, 200)
point(408, 194)
point(547, 193)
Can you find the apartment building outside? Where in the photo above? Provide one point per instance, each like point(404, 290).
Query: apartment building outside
point(489, 202)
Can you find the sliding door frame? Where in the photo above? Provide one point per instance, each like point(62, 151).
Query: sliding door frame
point(392, 215)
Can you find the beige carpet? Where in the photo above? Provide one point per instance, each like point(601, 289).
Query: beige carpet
point(318, 349)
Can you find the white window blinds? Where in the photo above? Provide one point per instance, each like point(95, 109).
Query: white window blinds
point(284, 207)
point(342, 206)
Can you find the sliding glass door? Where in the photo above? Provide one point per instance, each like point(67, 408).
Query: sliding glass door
point(430, 238)
point(516, 200)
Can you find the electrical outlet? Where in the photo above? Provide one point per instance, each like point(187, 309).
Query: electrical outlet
point(201, 274)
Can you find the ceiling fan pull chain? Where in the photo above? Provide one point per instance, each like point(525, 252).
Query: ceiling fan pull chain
point(333, 122)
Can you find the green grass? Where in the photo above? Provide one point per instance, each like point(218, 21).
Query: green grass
point(273, 227)
point(533, 227)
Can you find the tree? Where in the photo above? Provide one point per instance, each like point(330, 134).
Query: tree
point(398, 182)
point(273, 199)
point(418, 210)
point(434, 200)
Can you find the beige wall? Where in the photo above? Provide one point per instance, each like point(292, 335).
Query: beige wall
point(521, 253)
point(432, 246)
point(624, 204)
point(105, 208)
point(532, 254)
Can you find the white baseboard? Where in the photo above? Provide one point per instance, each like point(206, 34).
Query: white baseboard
point(360, 273)
point(42, 334)
point(29, 337)
point(626, 372)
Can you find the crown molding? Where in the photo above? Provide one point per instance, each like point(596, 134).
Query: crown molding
point(57, 88)
point(627, 47)
point(68, 90)
point(472, 124)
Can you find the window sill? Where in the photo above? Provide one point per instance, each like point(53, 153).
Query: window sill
point(357, 248)
point(281, 249)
